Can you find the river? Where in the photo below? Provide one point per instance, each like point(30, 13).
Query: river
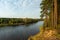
point(21, 32)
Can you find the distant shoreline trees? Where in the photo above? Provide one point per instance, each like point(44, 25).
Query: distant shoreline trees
point(18, 21)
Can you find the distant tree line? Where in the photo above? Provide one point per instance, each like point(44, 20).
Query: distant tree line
point(17, 21)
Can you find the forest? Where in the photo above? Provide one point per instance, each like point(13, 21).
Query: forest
point(17, 21)
point(51, 27)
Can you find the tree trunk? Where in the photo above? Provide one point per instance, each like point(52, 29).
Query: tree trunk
point(52, 20)
point(55, 13)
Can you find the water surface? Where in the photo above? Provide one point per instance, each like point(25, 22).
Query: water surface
point(21, 32)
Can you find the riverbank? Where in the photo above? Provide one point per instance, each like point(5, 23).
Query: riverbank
point(15, 24)
point(47, 34)
point(17, 21)
point(2, 25)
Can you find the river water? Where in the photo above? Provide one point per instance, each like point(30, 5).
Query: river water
point(21, 32)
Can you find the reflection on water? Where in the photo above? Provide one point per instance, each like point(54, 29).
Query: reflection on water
point(21, 32)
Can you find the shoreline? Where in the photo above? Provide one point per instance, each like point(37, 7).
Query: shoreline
point(15, 24)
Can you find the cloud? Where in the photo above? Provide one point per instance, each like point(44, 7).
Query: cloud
point(17, 4)
point(18, 8)
point(25, 3)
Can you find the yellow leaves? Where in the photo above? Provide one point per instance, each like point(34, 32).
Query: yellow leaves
point(49, 33)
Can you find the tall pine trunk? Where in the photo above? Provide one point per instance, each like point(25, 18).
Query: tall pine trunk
point(52, 20)
point(55, 13)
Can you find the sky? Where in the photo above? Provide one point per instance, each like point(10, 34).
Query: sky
point(20, 8)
